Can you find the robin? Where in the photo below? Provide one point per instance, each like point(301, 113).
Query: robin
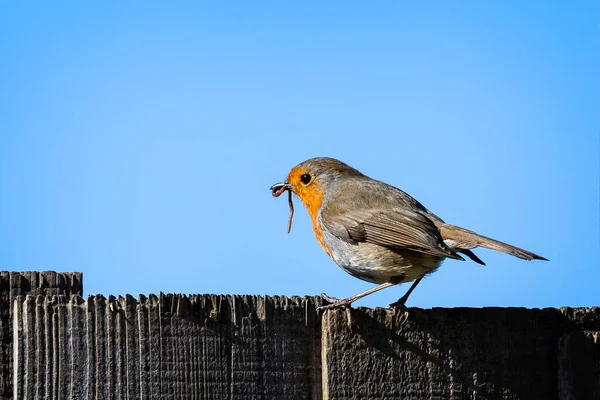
point(375, 231)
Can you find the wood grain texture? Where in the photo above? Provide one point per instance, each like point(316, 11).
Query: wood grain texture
point(166, 346)
point(489, 353)
point(56, 345)
point(13, 284)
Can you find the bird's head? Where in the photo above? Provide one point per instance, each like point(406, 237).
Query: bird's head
point(313, 179)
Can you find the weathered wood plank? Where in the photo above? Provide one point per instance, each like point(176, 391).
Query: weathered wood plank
point(40, 348)
point(77, 338)
point(579, 365)
point(167, 346)
point(12, 285)
point(18, 359)
point(251, 347)
point(447, 353)
point(132, 348)
point(28, 375)
point(142, 324)
point(5, 337)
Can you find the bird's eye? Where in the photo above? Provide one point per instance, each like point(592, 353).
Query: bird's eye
point(305, 179)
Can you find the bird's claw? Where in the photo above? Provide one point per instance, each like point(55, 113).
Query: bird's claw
point(337, 303)
point(330, 299)
point(333, 303)
point(400, 304)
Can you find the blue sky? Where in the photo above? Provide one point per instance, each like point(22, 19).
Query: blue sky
point(139, 140)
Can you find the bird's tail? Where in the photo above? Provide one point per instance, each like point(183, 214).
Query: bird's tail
point(462, 240)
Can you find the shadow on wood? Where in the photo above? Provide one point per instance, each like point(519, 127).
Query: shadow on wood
point(489, 353)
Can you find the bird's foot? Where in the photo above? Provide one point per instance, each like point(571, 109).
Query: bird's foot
point(399, 304)
point(334, 303)
point(337, 303)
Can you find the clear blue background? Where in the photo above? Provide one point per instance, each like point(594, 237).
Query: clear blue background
point(138, 142)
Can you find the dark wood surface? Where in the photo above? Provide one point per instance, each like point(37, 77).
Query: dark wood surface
point(261, 347)
point(461, 353)
point(167, 347)
point(13, 284)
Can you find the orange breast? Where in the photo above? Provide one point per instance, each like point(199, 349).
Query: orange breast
point(312, 197)
point(318, 230)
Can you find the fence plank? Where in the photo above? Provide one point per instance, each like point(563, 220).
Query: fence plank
point(167, 346)
point(55, 346)
point(579, 365)
point(445, 353)
point(14, 284)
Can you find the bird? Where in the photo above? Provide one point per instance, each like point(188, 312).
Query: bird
point(377, 232)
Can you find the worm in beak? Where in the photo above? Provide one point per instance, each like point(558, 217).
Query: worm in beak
point(277, 190)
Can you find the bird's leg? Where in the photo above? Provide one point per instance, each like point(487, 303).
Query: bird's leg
point(400, 302)
point(336, 303)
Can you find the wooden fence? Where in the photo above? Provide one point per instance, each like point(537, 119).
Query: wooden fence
point(56, 345)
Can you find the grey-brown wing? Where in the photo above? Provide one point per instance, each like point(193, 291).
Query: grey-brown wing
point(398, 228)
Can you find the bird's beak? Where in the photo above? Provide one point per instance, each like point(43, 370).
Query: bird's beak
point(278, 188)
